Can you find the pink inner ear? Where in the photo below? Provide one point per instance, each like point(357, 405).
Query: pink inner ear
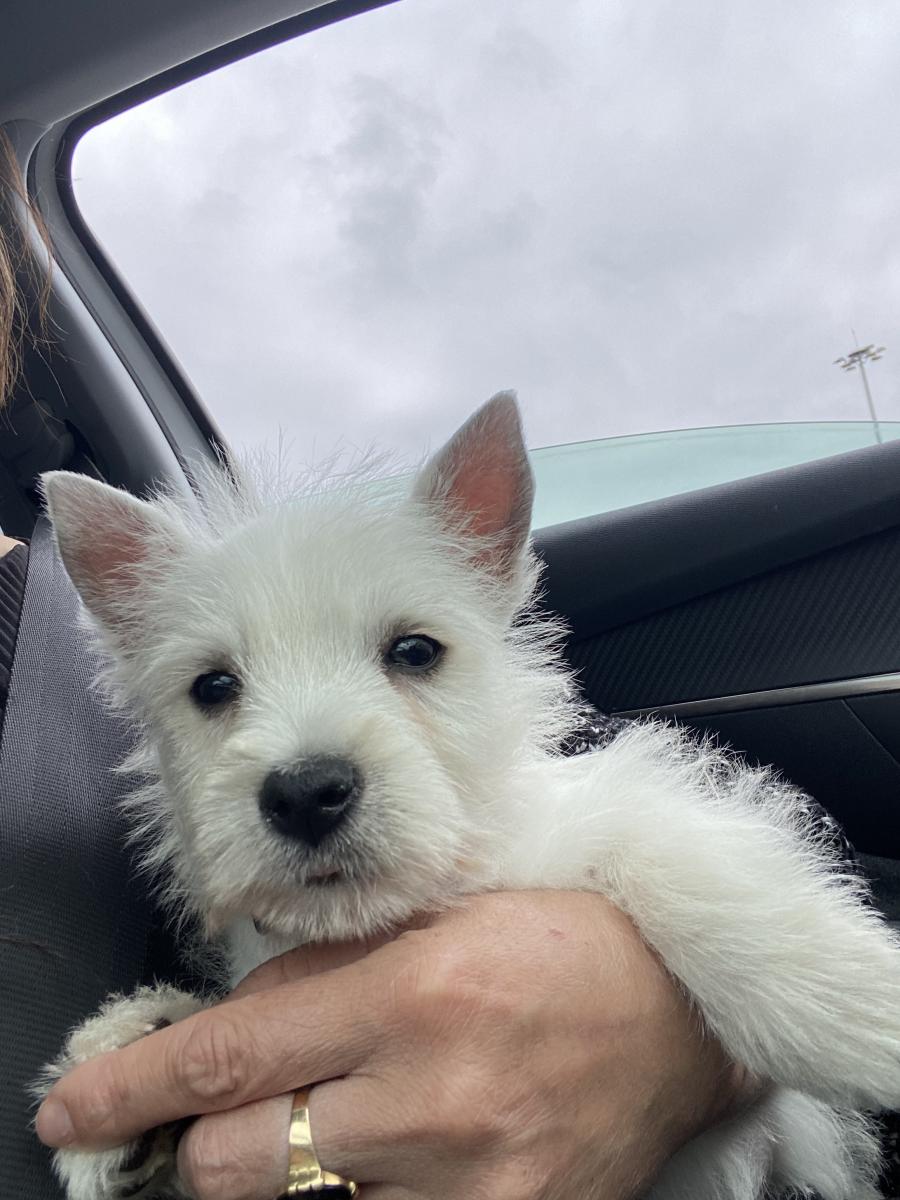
point(102, 548)
point(490, 488)
point(482, 479)
point(487, 496)
point(106, 557)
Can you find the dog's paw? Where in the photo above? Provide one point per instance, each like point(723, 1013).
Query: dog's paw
point(143, 1169)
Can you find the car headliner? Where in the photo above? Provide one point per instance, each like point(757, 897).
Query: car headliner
point(59, 57)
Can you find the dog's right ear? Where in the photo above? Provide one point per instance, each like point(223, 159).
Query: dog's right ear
point(106, 538)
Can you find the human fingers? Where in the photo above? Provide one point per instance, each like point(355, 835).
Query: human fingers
point(241, 1154)
point(259, 1045)
point(363, 1128)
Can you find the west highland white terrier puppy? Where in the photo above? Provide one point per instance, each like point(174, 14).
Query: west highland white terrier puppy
point(353, 713)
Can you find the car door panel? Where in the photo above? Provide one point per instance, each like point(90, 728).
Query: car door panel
point(612, 569)
point(766, 612)
point(827, 617)
point(826, 749)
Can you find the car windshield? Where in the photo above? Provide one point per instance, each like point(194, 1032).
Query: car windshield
point(640, 216)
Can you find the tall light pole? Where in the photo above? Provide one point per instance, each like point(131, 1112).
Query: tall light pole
point(857, 359)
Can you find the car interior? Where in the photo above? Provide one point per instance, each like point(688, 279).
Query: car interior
point(763, 612)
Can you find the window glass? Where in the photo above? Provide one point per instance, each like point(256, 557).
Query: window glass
point(642, 216)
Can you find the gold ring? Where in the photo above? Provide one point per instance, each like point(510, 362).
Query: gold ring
point(305, 1174)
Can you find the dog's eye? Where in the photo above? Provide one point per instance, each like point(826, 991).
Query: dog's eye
point(214, 689)
point(413, 653)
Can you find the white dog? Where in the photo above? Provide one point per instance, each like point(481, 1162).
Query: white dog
point(352, 714)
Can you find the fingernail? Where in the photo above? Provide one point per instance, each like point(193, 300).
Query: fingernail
point(53, 1123)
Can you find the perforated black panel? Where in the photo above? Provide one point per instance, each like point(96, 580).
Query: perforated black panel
point(828, 751)
point(832, 616)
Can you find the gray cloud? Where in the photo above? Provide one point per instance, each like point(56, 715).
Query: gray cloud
point(642, 216)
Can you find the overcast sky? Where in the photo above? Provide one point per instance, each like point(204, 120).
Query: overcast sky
point(642, 215)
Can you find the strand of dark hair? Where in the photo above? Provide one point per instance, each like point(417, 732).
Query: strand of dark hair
point(24, 280)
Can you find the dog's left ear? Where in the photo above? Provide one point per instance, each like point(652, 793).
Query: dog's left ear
point(480, 484)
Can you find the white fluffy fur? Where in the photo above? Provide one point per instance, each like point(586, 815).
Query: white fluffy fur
point(718, 863)
point(121, 1021)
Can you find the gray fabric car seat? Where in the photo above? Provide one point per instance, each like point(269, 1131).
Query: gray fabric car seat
point(74, 922)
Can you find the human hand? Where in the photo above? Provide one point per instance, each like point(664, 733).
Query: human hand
point(524, 1043)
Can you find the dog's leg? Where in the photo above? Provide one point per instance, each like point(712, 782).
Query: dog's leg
point(146, 1166)
point(787, 1144)
point(718, 866)
point(722, 870)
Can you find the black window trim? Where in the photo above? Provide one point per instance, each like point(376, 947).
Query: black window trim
point(51, 185)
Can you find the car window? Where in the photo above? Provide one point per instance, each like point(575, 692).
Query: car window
point(643, 217)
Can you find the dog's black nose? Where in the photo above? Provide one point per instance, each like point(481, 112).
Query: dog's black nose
point(311, 800)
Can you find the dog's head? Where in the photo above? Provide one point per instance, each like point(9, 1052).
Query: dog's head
point(336, 689)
